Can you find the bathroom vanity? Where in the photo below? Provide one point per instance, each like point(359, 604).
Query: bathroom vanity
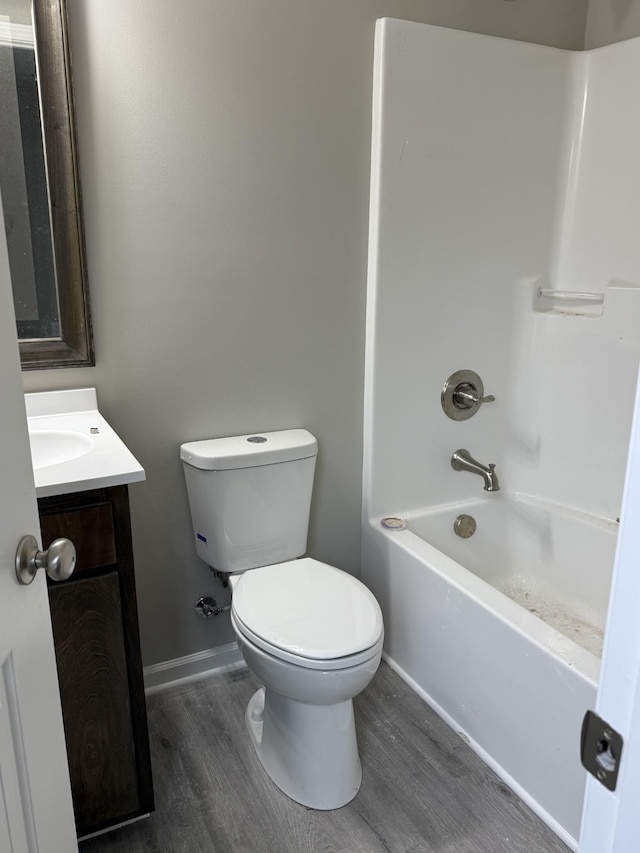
point(95, 630)
point(82, 471)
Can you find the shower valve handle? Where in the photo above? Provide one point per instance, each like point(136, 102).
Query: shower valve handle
point(463, 394)
point(466, 396)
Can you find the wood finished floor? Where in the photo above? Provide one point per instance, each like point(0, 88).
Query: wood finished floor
point(423, 788)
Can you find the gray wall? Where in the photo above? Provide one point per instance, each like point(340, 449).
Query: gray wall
point(224, 151)
point(18, 10)
point(609, 21)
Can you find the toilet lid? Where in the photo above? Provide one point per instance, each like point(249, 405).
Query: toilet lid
point(308, 609)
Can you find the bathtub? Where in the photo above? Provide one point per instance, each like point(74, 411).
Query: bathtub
point(501, 633)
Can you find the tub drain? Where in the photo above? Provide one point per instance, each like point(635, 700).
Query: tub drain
point(464, 526)
point(392, 523)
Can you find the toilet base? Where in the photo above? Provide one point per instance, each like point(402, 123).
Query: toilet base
point(309, 751)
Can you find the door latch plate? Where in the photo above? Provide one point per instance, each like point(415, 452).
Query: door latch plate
point(600, 749)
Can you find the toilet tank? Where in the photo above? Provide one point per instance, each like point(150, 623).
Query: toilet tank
point(250, 497)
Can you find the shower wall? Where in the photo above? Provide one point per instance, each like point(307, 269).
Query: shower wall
point(573, 372)
point(603, 201)
point(499, 168)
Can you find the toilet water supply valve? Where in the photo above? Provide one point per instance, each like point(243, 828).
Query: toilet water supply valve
point(207, 607)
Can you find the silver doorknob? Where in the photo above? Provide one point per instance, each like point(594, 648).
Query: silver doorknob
point(59, 560)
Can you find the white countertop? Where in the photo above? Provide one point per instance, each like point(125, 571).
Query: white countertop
point(73, 447)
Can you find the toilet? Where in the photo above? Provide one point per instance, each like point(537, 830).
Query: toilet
point(310, 633)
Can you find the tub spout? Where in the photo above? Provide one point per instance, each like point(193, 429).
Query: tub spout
point(462, 460)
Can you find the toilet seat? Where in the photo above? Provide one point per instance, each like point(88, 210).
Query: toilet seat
point(308, 613)
point(324, 664)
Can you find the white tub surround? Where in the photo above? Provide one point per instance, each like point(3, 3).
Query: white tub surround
point(73, 448)
point(552, 562)
point(513, 686)
point(504, 197)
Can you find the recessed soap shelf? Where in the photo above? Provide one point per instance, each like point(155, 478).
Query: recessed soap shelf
point(579, 303)
point(570, 295)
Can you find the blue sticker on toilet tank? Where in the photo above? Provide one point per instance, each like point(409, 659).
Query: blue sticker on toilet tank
point(202, 538)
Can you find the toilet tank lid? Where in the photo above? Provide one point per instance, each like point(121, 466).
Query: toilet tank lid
point(251, 450)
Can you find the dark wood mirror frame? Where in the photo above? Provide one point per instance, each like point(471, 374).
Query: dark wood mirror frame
point(75, 349)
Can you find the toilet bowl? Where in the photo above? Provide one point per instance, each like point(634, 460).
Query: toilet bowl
point(310, 633)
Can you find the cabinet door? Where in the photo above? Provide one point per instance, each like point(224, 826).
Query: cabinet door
point(90, 528)
point(92, 668)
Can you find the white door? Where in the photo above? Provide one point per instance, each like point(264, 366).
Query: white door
point(611, 819)
point(36, 814)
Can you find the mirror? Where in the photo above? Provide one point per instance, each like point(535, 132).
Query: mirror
point(40, 189)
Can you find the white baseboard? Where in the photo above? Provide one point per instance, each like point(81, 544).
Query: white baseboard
point(115, 826)
point(214, 661)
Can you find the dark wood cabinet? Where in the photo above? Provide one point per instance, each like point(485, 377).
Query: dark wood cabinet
point(95, 629)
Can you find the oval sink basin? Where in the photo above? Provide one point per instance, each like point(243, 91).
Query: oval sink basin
point(51, 447)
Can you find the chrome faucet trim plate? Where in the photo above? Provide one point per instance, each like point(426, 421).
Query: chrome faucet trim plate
point(463, 394)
